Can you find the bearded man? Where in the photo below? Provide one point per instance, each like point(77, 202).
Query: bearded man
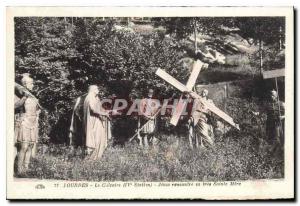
point(96, 126)
point(201, 121)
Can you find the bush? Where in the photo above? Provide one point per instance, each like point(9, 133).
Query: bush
point(65, 55)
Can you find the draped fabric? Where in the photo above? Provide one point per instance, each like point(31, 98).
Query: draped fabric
point(96, 126)
point(77, 134)
point(108, 128)
point(203, 130)
point(274, 126)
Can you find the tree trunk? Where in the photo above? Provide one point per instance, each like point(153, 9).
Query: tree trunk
point(280, 40)
point(261, 56)
point(195, 35)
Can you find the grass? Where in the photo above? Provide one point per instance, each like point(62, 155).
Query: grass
point(238, 155)
point(171, 161)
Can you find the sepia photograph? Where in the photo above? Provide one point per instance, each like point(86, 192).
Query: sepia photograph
point(150, 101)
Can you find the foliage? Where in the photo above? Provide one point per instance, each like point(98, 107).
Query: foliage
point(65, 55)
point(253, 29)
point(266, 29)
point(183, 27)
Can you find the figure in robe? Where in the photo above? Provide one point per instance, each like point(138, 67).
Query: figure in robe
point(275, 121)
point(96, 124)
point(26, 124)
point(77, 134)
point(201, 129)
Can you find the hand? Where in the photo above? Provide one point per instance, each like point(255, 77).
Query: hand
point(281, 117)
point(115, 112)
point(205, 66)
point(149, 117)
point(104, 114)
point(24, 98)
point(26, 94)
point(255, 113)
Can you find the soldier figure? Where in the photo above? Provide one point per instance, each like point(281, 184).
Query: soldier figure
point(26, 125)
point(147, 121)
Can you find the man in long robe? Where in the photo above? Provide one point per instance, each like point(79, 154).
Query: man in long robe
point(275, 121)
point(201, 130)
point(95, 124)
point(77, 134)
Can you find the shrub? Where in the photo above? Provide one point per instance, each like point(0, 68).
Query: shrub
point(65, 55)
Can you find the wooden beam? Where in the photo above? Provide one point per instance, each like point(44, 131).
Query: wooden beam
point(180, 107)
point(274, 73)
point(194, 75)
point(221, 114)
point(171, 80)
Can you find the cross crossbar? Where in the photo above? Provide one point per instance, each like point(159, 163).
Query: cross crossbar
point(181, 87)
point(273, 73)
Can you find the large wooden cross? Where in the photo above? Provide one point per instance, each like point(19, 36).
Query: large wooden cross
point(188, 88)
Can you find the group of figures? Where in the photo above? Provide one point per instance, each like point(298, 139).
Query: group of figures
point(91, 123)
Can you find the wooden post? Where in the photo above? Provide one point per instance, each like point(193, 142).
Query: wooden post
point(280, 40)
point(225, 105)
point(261, 56)
point(195, 34)
point(138, 133)
point(278, 102)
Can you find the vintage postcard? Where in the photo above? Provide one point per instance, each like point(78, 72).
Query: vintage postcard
point(150, 103)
